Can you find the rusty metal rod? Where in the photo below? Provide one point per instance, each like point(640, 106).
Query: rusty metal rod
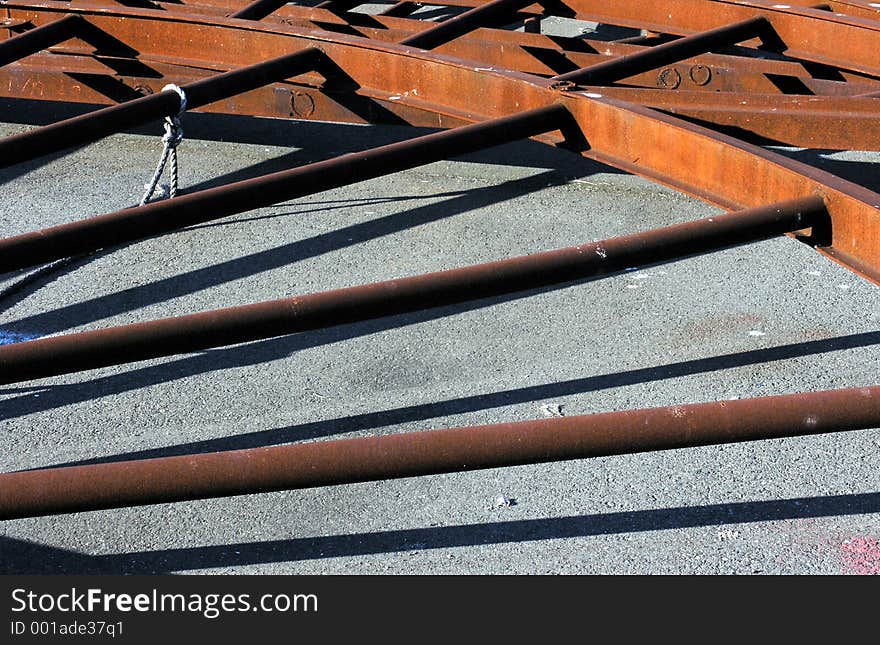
point(339, 6)
point(39, 38)
point(642, 39)
point(259, 9)
point(106, 121)
point(532, 25)
point(482, 16)
point(671, 52)
point(31, 249)
point(178, 335)
point(401, 9)
point(345, 461)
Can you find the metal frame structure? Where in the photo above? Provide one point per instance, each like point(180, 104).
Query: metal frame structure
point(775, 72)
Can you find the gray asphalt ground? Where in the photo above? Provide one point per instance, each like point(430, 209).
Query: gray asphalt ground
point(772, 318)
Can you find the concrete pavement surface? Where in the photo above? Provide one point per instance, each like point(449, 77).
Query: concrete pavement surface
point(771, 318)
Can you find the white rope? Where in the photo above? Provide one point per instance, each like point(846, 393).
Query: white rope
point(172, 138)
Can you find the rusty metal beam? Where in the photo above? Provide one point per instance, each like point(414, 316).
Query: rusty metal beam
point(259, 9)
point(132, 224)
point(339, 6)
point(169, 336)
point(672, 52)
point(95, 125)
point(527, 52)
point(808, 34)
point(401, 9)
point(624, 135)
point(834, 38)
point(346, 461)
point(39, 38)
point(455, 27)
point(828, 122)
point(824, 122)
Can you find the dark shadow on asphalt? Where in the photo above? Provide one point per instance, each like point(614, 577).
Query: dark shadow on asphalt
point(24, 168)
point(174, 369)
point(59, 396)
point(24, 557)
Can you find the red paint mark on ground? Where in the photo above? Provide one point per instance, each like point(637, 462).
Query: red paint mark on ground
point(861, 555)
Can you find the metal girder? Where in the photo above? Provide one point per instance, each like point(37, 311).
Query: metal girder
point(808, 33)
point(620, 134)
point(710, 73)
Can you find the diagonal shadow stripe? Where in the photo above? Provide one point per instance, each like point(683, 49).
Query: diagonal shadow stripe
point(56, 396)
point(24, 557)
point(493, 400)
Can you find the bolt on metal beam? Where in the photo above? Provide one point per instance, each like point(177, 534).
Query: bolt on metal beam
point(671, 52)
point(345, 461)
point(194, 332)
point(31, 249)
point(116, 118)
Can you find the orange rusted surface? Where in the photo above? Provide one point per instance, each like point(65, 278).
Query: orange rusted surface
point(448, 90)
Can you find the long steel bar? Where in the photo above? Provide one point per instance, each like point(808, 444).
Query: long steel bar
point(339, 6)
point(169, 336)
point(401, 9)
point(346, 461)
point(39, 38)
point(451, 29)
point(131, 224)
point(258, 10)
point(115, 118)
point(671, 52)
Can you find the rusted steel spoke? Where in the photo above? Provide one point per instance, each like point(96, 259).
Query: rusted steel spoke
point(653, 57)
point(401, 9)
point(468, 21)
point(338, 6)
point(135, 223)
point(166, 337)
point(101, 123)
point(259, 9)
point(37, 39)
point(346, 461)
